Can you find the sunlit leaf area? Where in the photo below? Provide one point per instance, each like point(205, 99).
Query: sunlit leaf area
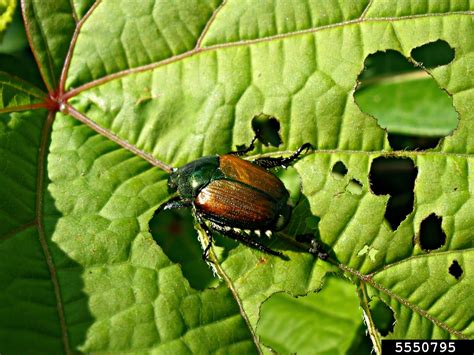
point(364, 234)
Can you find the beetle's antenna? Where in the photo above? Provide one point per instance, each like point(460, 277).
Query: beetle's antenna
point(152, 160)
point(159, 164)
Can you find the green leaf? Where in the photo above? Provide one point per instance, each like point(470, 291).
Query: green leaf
point(7, 9)
point(15, 56)
point(382, 8)
point(137, 36)
point(17, 94)
point(80, 7)
point(135, 87)
point(426, 306)
point(20, 136)
point(49, 27)
point(238, 21)
point(13, 39)
point(26, 287)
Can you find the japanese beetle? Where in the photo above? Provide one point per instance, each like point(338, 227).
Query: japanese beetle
point(238, 198)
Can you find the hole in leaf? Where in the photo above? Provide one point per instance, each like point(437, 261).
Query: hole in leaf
point(384, 64)
point(174, 232)
point(455, 269)
point(354, 187)
point(339, 170)
point(407, 142)
point(431, 234)
point(294, 325)
point(267, 129)
point(394, 177)
point(361, 343)
point(383, 316)
point(433, 54)
point(405, 99)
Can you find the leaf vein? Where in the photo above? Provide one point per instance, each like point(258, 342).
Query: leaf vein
point(364, 13)
point(420, 256)
point(194, 51)
point(40, 187)
point(67, 59)
point(208, 24)
point(15, 231)
point(415, 308)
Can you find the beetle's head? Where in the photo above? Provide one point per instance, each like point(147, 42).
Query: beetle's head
point(189, 179)
point(173, 180)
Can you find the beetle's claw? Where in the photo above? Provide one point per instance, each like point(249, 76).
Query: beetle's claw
point(318, 251)
point(207, 260)
point(284, 256)
point(205, 257)
point(315, 248)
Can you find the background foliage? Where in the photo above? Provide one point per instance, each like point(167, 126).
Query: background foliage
point(102, 92)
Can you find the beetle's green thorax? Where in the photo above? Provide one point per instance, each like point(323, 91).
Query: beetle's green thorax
point(192, 177)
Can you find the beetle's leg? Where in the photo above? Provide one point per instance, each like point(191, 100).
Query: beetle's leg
point(268, 163)
point(305, 238)
point(246, 240)
point(318, 251)
point(173, 203)
point(206, 230)
point(245, 150)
